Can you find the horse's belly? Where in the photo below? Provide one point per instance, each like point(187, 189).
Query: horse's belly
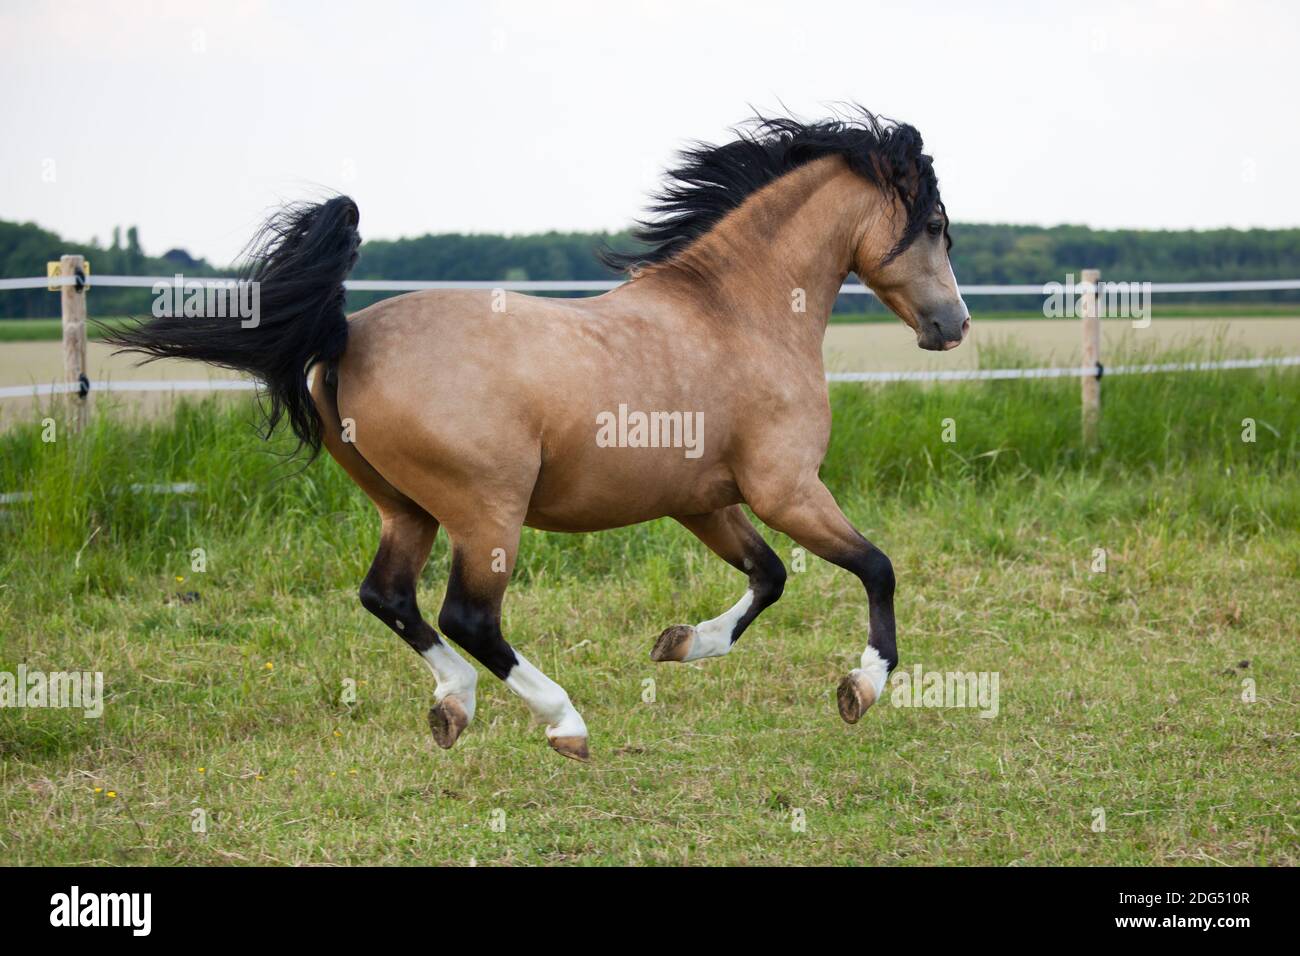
point(614, 487)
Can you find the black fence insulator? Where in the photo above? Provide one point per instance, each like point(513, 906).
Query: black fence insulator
point(80, 273)
point(83, 385)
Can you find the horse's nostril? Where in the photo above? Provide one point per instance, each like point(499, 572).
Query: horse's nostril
point(965, 327)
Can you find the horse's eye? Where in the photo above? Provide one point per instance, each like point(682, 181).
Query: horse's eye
point(934, 228)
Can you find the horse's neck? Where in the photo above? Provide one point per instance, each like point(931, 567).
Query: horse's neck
point(776, 263)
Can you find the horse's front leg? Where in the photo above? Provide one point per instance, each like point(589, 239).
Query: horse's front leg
point(807, 512)
point(728, 534)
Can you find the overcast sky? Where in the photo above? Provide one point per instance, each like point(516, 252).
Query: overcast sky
point(192, 119)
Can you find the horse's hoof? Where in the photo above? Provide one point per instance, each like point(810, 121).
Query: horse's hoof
point(674, 643)
point(854, 696)
point(447, 719)
point(574, 747)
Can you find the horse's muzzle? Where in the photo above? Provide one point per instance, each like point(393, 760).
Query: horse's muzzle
point(941, 334)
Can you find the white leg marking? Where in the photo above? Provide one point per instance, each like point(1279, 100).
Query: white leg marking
point(546, 699)
point(456, 677)
point(874, 669)
point(713, 638)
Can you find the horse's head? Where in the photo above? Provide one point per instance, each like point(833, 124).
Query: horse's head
point(891, 224)
point(918, 286)
point(902, 251)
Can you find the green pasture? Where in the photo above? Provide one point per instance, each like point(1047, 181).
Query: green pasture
point(1161, 694)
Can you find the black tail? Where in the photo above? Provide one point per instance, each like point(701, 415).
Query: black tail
point(299, 260)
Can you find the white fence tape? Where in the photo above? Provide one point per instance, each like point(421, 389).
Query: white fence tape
point(179, 385)
point(983, 374)
point(949, 375)
point(543, 285)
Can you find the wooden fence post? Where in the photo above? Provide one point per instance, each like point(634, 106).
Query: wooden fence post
point(74, 339)
point(1089, 313)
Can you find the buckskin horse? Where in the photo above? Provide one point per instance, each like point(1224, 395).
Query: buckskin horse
point(478, 411)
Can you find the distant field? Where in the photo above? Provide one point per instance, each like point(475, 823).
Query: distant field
point(41, 330)
point(879, 347)
point(24, 363)
point(848, 345)
point(36, 363)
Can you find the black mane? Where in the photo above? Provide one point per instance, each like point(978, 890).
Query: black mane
point(710, 181)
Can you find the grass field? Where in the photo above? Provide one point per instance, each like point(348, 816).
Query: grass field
point(1119, 691)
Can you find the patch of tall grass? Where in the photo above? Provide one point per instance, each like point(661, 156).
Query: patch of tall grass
point(1173, 451)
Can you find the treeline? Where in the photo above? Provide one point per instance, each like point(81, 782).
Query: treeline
point(461, 257)
point(982, 254)
point(25, 248)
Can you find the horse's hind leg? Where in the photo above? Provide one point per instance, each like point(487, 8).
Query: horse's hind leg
point(728, 534)
point(482, 560)
point(388, 592)
point(810, 515)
